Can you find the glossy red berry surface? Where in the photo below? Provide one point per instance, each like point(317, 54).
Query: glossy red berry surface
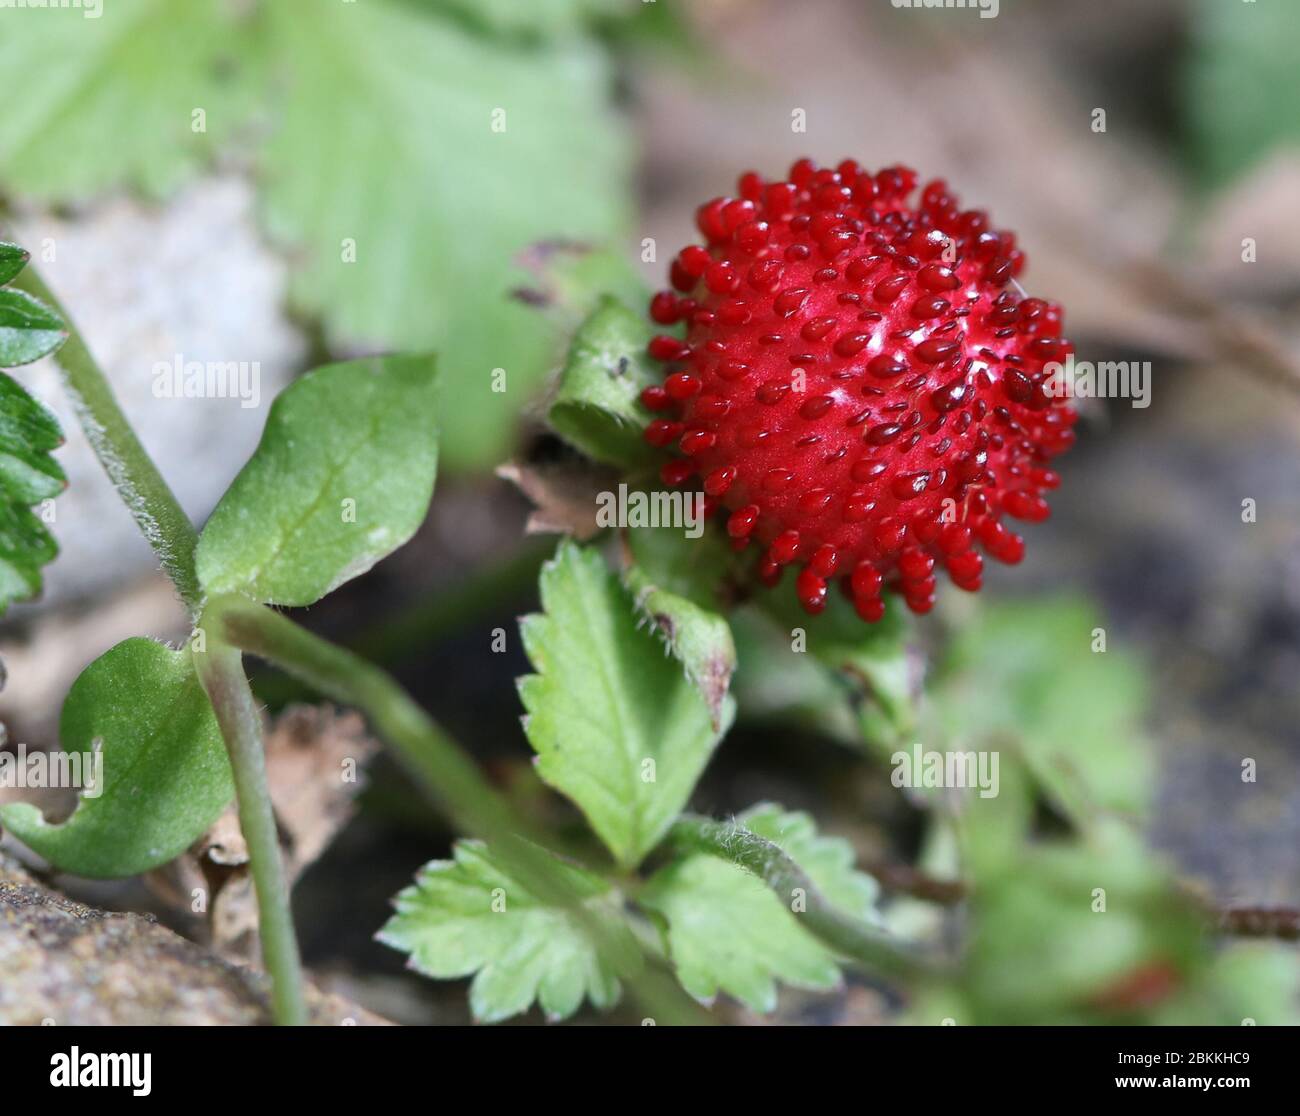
point(859, 385)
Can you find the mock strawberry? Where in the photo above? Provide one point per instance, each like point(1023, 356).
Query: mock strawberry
point(861, 385)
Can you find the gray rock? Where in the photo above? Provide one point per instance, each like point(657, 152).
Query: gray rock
point(191, 282)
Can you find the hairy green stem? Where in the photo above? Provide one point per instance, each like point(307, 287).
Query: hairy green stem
point(167, 528)
point(156, 510)
point(848, 936)
point(222, 674)
point(447, 774)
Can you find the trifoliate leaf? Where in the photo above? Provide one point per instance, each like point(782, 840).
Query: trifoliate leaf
point(616, 724)
point(726, 931)
point(469, 916)
point(342, 477)
point(597, 406)
point(828, 861)
point(166, 776)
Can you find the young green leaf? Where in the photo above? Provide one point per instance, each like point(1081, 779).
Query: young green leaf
point(28, 475)
point(165, 775)
point(616, 724)
point(727, 931)
point(342, 477)
point(470, 916)
point(597, 406)
point(29, 329)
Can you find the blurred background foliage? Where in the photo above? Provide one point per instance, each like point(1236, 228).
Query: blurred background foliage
point(366, 129)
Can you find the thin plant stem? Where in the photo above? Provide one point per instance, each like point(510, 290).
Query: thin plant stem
point(222, 674)
point(152, 503)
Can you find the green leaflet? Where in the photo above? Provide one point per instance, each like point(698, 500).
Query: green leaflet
point(343, 476)
point(165, 772)
point(616, 724)
point(727, 932)
point(470, 916)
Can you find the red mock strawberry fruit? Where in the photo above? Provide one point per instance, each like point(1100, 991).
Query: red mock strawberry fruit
point(861, 384)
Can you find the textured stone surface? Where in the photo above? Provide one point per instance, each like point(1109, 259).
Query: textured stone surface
point(78, 966)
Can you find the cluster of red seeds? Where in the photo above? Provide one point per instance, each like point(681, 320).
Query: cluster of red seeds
point(860, 385)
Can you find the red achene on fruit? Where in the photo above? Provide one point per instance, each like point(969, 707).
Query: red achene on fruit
point(862, 387)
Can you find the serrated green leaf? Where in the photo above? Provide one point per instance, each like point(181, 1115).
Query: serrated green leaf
point(166, 776)
point(12, 260)
point(696, 637)
point(726, 931)
point(1242, 85)
point(381, 173)
point(342, 477)
point(29, 329)
point(597, 405)
point(828, 861)
point(28, 475)
point(469, 916)
point(616, 724)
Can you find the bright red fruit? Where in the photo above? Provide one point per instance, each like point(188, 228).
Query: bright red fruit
point(861, 385)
